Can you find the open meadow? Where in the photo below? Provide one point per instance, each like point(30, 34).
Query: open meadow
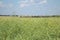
point(16, 28)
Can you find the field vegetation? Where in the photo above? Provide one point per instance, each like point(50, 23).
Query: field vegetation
point(15, 28)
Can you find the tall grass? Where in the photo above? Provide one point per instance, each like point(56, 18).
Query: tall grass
point(14, 28)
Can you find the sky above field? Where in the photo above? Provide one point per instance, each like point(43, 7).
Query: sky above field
point(30, 7)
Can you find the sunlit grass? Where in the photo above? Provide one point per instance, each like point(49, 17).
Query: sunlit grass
point(15, 28)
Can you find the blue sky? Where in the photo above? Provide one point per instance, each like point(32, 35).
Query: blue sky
point(30, 7)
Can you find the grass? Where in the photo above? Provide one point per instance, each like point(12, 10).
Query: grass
point(15, 28)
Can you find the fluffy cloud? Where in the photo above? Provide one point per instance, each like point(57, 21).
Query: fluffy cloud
point(30, 2)
point(24, 1)
point(24, 4)
point(43, 2)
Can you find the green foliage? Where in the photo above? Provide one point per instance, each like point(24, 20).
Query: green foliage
point(15, 28)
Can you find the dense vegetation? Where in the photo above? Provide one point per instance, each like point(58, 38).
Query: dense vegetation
point(15, 28)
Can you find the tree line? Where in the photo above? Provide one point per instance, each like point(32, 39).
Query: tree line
point(32, 16)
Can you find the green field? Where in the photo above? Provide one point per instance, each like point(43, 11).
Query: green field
point(15, 28)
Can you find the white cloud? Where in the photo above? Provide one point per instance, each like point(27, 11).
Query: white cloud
point(23, 5)
point(26, 3)
point(32, 1)
point(43, 2)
